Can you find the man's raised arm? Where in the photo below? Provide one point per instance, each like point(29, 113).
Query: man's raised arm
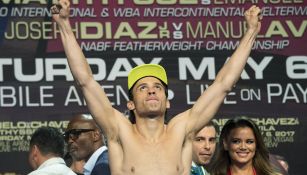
point(96, 99)
point(207, 105)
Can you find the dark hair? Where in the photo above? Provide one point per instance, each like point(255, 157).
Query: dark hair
point(130, 95)
point(222, 161)
point(49, 140)
point(213, 124)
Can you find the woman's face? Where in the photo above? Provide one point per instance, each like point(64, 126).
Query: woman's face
point(241, 145)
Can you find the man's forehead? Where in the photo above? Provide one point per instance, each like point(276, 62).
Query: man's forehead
point(207, 130)
point(80, 124)
point(148, 80)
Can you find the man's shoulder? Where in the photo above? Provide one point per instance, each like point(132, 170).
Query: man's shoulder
point(102, 164)
point(103, 157)
point(55, 165)
point(54, 170)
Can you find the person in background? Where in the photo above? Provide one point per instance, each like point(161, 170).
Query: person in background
point(203, 148)
point(46, 152)
point(85, 142)
point(241, 150)
point(284, 163)
point(279, 163)
point(149, 146)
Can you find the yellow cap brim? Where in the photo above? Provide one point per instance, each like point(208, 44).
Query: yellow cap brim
point(146, 70)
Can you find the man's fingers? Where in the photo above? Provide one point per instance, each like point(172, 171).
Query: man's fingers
point(55, 9)
point(260, 17)
point(58, 6)
point(64, 3)
point(259, 14)
point(254, 11)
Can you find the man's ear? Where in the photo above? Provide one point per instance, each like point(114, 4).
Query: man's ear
point(36, 153)
point(33, 157)
point(35, 150)
point(168, 104)
point(130, 105)
point(97, 135)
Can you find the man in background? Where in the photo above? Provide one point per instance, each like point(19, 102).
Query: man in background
point(46, 152)
point(279, 163)
point(203, 146)
point(85, 142)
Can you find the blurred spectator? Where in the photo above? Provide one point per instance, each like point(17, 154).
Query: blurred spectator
point(203, 146)
point(46, 152)
point(85, 142)
point(280, 164)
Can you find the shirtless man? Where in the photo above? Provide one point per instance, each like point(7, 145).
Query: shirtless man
point(149, 146)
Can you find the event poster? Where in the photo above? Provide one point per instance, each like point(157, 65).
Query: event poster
point(192, 39)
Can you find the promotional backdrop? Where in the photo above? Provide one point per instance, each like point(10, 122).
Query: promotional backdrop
point(192, 39)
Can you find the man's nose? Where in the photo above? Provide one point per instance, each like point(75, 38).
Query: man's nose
point(207, 145)
point(151, 91)
point(70, 139)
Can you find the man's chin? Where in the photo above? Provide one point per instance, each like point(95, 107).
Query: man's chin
point(74, 154)
point(205, 162)
point(152, 114)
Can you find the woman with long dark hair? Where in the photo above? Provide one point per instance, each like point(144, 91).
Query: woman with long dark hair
point(241, 150)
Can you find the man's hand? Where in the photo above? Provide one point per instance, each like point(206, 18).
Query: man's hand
point(60, 10)
point(253, 17)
